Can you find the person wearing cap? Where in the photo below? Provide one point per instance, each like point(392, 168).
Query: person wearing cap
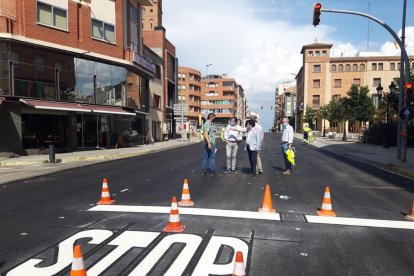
point(233, 137)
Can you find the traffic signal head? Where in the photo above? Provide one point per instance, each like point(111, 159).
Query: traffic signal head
point(316, 14)
point(409, 97)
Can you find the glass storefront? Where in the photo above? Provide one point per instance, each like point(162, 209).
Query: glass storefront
point(42, 74)
point(40, 131)
point(93, 130)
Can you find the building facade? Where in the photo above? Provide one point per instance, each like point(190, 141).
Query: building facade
point(241, 103)
point(323, 78)
point(219, 95)
point(285, 102)
point(189, 92)
point(73, 73)
point(154, 36)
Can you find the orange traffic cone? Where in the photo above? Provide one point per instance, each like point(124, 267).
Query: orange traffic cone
point(78, 268)
point(106, 197)
point(185, 196)
point(174, 225)
point(326, 209)
point(267, 201)
point(239, 269)
point(411, 215)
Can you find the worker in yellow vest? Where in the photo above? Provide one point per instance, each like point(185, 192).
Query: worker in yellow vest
point(307, 132)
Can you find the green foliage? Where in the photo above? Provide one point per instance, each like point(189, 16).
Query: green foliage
point(310, 115)
point(358, 106)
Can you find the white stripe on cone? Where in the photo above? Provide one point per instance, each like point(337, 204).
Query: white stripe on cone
point(185, 186)
point(174, 218)
point(185, 196)
point(105, 185)
point(77, 264)
point(105, 194)
point(327, 195)
point(239, 269)
point(326, 206)
point(174, 206)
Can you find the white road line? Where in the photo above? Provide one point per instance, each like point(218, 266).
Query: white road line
point(373, 187)
point(255, 215)
point(362, 222)
point(124, 190)
point(187, 211)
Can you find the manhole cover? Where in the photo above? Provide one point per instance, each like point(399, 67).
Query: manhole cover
point(292, 218)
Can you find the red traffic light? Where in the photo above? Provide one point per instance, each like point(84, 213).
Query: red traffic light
point(408, 85)
point(316, 13)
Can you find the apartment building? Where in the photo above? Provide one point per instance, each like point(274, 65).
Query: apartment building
point(241, 103)
point(155, 37)
point(285, 102)
point(219, 95)
point(72, 73)
point(323, 78)
point(189, 92)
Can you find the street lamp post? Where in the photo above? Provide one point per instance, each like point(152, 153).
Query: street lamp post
point(387, 97)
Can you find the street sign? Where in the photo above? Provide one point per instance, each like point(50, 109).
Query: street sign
point(406, 114)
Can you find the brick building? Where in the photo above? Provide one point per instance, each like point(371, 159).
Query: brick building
point(220, 97)
point(154, 36)
point(189, 91)
point(73, 74)
point(323, 78)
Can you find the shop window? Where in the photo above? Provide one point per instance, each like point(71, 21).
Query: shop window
point(52, 16)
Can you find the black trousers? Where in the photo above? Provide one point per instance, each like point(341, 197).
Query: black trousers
point(252, 159)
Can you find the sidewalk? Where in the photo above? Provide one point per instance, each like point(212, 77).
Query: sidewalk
point(377, 156)
point(95, 155)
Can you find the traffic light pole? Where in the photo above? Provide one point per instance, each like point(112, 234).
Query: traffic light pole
point(401, 141)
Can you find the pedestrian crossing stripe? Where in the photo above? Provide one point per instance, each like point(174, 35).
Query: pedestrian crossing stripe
point(396, 224)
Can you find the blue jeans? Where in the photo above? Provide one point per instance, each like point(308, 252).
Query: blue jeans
point(288, 165)
point(209, 154)
point(252, 159)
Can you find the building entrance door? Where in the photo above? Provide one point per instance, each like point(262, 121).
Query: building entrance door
point(93, 130)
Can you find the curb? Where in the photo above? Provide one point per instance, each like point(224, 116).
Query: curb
point(96, 158)
point(390, 168)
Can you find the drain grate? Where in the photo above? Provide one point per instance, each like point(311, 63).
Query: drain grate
point(292, 218)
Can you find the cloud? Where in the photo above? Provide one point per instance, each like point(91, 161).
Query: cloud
point(248, 42)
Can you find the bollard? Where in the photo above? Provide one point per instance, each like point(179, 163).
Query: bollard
point(52, 156)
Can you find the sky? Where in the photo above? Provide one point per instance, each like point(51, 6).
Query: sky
point(258, 42)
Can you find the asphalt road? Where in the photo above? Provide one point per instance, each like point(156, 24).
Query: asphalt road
point(39, 213)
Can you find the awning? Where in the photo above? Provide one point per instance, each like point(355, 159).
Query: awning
point(64, 106)
point(110, 110)
point(38, 104)
point(1, 100)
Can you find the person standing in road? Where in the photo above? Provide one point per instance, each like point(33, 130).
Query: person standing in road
point(287, 140)
point(233, 137)
point(259, 160)
point(253, 145)
point(209, 145)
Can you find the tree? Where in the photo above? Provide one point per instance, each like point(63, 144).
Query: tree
point(335, 112)
point(360, 103)
point(310, 115)
point(345, 113)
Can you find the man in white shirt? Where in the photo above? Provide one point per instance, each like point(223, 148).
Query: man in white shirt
point(233, 137)
point(259, 160)
point(253, 145)
point(287, 140)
